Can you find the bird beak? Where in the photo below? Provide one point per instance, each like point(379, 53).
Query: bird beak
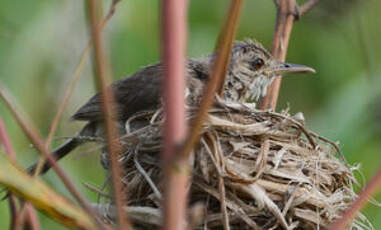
point(286, 68)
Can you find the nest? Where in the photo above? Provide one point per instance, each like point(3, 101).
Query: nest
point(251, 170)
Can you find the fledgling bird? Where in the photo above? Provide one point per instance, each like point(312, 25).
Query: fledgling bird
point(250, 71)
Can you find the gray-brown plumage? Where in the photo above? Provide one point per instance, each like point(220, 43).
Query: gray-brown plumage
point(251, 70)
point(140, 91)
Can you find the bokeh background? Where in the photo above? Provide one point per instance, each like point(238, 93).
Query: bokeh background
point(41, 42)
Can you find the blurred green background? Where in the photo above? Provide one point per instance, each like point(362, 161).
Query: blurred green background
point(41, 42)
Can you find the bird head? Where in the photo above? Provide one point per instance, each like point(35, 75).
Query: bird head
point(252, 69)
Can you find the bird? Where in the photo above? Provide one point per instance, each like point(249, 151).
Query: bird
point(251, 70)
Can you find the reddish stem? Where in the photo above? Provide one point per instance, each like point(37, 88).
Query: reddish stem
point(6, 142)
point(74, 80)
point(12, 202)
point(286, 15)
point(218, 75)
point(102, 79)
point(31, 132)
point(307, 6)
point(4, 139)
point(285, 20)
point(174, 34)
point(370, 189)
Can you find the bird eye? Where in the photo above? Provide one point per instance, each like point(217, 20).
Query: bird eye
point(258, 63)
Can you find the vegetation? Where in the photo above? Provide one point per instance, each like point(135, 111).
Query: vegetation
point(41, 42)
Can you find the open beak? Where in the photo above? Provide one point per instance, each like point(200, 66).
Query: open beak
point(286, 68)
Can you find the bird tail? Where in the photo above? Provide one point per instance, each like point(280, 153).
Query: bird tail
point(59, 153)
point(66, 148)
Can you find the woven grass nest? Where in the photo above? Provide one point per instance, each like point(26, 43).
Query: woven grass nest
point(254, 169)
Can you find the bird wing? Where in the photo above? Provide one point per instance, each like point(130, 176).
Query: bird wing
point(138, 92)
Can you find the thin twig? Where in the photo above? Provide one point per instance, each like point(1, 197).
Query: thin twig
point(307, 6)
point(146, 176)
point(30, 212)
point(27, 218)
point(102, 79)
point(284, 22)
point(300, 126)
point(73, 82)
point(221, 186)
point(370, 189)
point(334, 145)
point(63, 105)
point(77, 72)
point(20, 221)
point(219, 71)
point(262, 159)
point(229, 30)
point(6, 142)
point(12, 201)
point(260, 165)
point(110, 13)
point(96, 190)
point(68, 93)
point(31, 132)
point(221, 189)
point(32, 217)
point(286, 15)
